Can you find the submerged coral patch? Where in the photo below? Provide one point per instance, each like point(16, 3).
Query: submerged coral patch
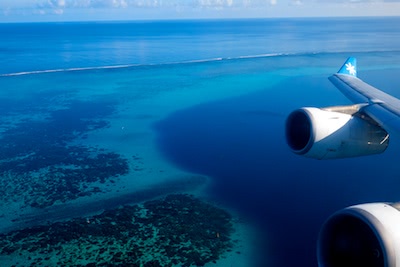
point(40, 164)
point(178, 230)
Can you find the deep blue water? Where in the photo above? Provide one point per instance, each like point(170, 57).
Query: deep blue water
point(240, 142)
point(236, 140)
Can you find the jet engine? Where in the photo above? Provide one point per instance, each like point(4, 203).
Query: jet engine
point(335, 132)
point(365, 235)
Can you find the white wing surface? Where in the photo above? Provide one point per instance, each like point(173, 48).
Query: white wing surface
point(383, 108)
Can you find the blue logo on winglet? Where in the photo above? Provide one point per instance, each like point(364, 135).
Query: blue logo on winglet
point(349, 67)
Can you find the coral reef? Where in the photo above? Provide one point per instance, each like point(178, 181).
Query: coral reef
point(39, 162)
point(178, 230)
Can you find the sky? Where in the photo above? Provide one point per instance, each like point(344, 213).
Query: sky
point(94, 10)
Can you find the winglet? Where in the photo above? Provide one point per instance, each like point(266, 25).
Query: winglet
point(349, 67)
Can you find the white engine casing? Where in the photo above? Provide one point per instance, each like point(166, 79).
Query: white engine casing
point(324, 134)
point(365, 235)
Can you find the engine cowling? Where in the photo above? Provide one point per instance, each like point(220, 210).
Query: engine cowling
point(365, 235)
point(326, 134)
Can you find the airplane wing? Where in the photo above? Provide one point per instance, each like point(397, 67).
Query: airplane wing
point(383, 108)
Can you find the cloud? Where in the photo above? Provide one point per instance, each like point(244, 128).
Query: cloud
point(54, 6)
point(297, 2)
point(156, 9)
point(69, 4)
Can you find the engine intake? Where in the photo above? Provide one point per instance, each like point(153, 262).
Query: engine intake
point(365, 235)
point(326, 134)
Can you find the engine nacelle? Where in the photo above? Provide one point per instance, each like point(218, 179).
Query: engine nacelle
point(365, 235)
point(326, 134)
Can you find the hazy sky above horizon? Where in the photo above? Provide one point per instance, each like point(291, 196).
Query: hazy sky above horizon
point(80, 10)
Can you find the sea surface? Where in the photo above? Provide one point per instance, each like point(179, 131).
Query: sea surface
point(211, 96)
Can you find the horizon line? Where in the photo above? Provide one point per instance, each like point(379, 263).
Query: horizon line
point(202, 19)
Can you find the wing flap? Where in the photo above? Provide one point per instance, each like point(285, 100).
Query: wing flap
point(386, 119)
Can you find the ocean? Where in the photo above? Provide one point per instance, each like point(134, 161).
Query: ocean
point(97, 116)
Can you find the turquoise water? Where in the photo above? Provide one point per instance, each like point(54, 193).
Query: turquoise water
point(208, 102)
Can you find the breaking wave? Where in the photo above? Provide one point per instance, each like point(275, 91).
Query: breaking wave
point(139, 65)
point(267, 55)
